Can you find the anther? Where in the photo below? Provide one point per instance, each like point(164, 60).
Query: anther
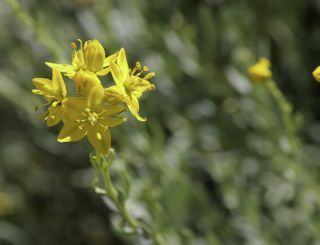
point(145, 68)
point(138, 65)
point(99, 136)
point(73, 45)
point(149, 76)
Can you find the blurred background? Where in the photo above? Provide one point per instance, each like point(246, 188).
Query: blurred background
point(214, 163)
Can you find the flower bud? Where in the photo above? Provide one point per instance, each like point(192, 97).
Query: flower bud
point(316, 73)
point(94, 55)
point(85, 81)
point(260, 71)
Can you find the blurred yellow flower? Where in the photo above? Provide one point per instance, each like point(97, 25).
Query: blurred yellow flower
point(90, 58)
point(54, 91)
point(129, 85)
point(316, 73)
point(90, 117)
point(260, 71)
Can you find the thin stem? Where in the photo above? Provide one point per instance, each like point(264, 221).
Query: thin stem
point(128, 217)
point(111, 191)
point(113, 194)
point(285, 107)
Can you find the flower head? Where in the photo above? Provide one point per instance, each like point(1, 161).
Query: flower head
point(129, 84)
point(260, 71)
point(54, 91)
point(90, 117)
point(316, 73)
point(91, 57)
point(92, 109)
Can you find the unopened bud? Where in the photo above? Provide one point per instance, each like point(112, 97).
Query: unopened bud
point(316, 74)
point(94, 55)
point(85, 81)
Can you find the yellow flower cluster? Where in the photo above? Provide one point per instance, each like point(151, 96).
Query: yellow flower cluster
point(94, 109)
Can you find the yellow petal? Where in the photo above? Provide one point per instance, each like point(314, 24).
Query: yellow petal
point(54, 116)
point(133, 106)
point(112, 95)
point(112, 121)
point(95, 97)
point(94, 55)
point(73, 108)
point(42, 116)
point(58, 83)
point(137, 94)
point(64, 68)
point(43, 84)
point(100, 139)
point(111, 110)
point(122, 62)
point(104, 71)
point(117, 76)
point(110, 58)
point(72, 131)
point(85, 81)
point(37, 91)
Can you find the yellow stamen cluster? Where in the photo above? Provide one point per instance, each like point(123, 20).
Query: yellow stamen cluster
point(93, 109)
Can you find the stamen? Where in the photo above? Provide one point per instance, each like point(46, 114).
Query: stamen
point(133, 71)
point(54, 104)
point(73, 45)
point(149, 76)
point(105, 128)
point(138, 65)
point(80, 41)
point(152, 87)
point(103, 111)
point(145, 68)
point(138, 74)
point(80, 121)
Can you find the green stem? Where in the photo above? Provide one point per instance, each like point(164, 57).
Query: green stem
point(285, 107)
point(113, 194)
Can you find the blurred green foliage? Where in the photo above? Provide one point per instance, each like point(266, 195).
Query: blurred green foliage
point(214, 164)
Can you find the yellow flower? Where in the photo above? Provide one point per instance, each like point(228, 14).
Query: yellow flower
point(129, 85)
point(316, 73)
point(260, 71)
point(54, 91)
point(90, 58)
point(89, 117)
